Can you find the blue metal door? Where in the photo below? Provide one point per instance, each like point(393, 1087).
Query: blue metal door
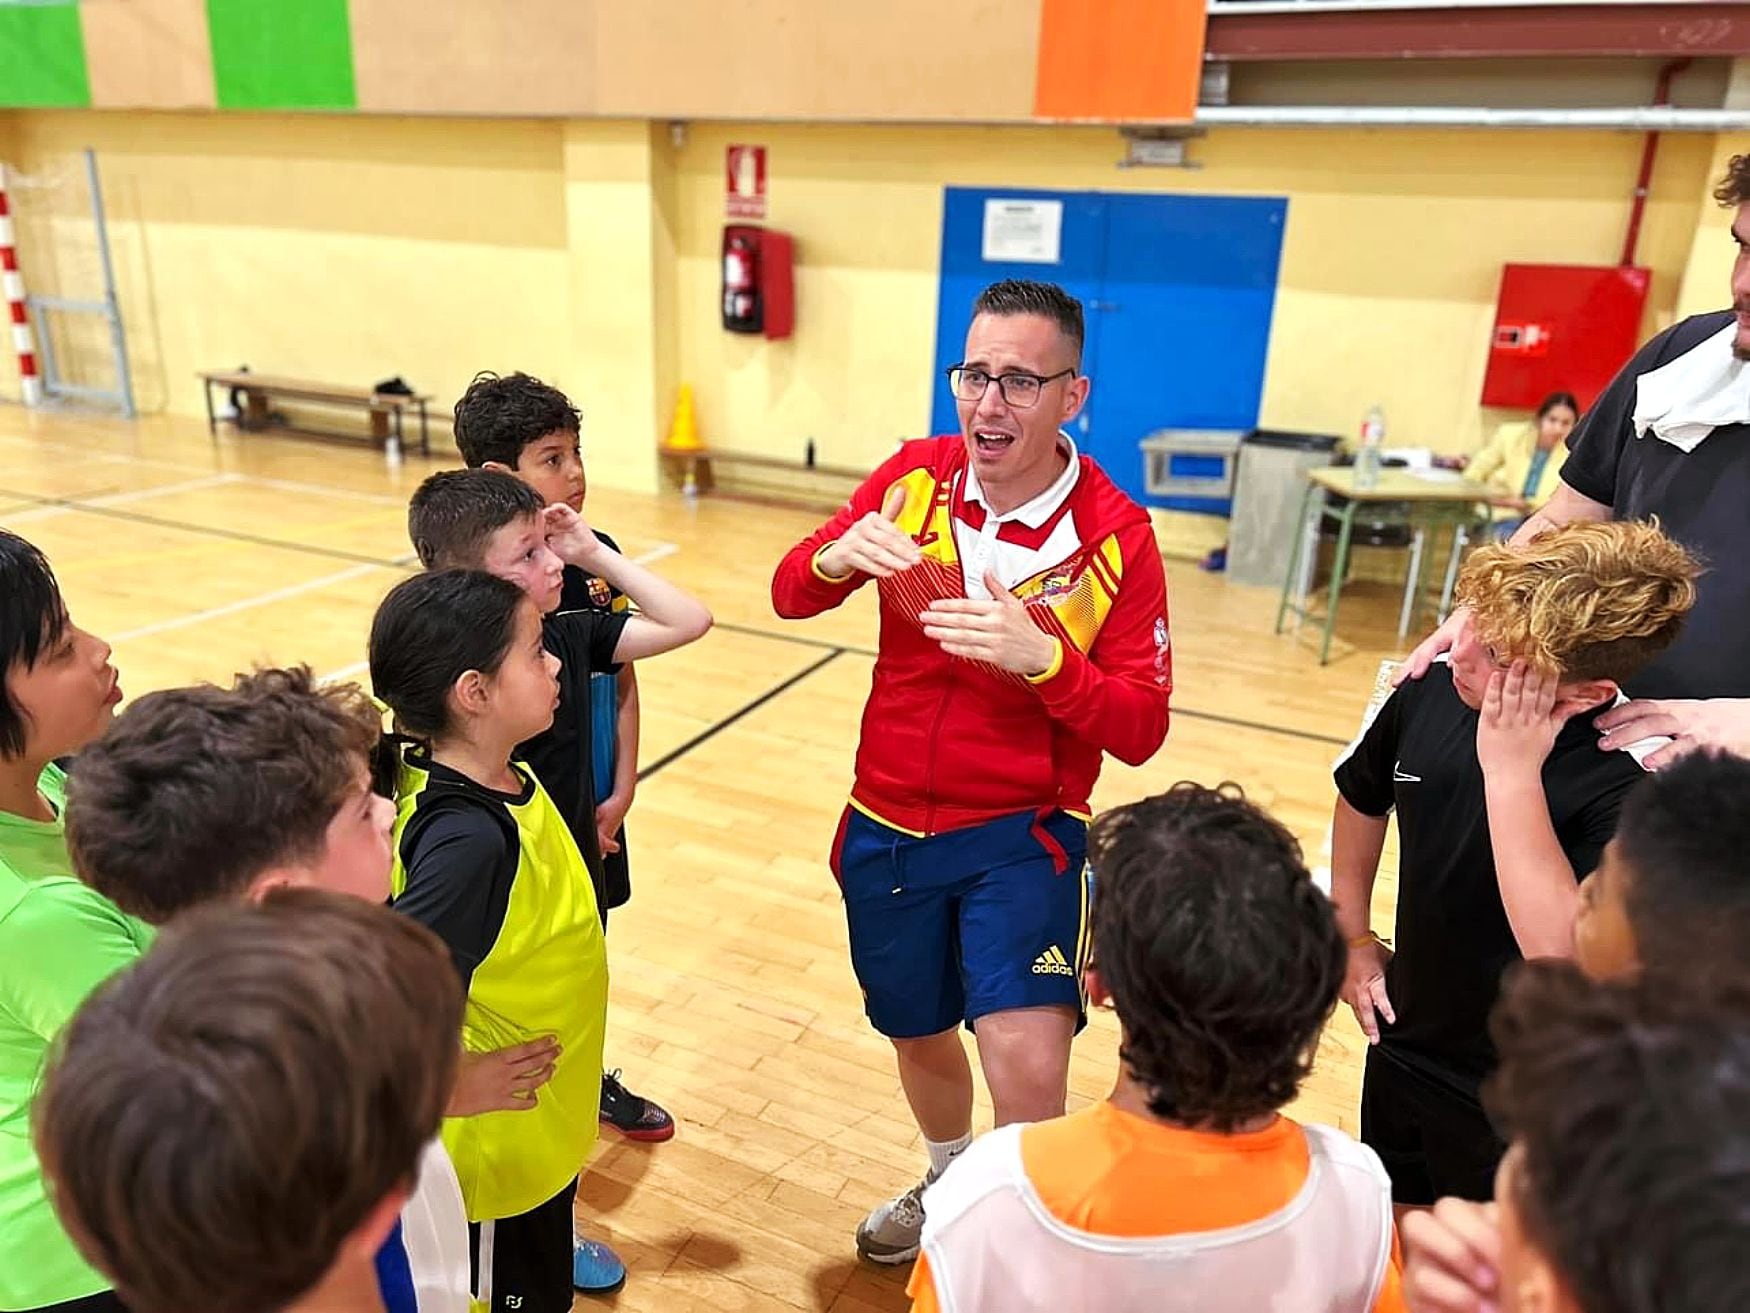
point(1179, 292)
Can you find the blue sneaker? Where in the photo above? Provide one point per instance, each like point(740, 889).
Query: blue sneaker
point(596, 1269)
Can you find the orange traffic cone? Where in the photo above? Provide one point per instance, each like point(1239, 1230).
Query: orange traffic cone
point(683, 439)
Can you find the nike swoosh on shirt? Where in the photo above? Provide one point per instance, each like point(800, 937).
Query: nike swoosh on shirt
point(1399, 776)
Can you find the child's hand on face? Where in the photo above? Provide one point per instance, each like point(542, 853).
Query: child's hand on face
point(569, 535)
point(1520, 720)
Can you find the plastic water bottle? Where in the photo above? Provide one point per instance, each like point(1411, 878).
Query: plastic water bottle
point(1368, 456)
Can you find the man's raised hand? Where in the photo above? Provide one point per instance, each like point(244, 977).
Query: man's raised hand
point(874, 545)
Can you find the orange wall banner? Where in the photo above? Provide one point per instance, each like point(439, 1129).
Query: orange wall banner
point(1119, 60)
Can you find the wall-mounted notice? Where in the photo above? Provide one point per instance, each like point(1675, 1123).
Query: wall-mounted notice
point(1023, 232)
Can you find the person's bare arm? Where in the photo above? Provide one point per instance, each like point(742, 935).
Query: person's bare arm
point(1565, 506)
point(1356, 843)
point(668, 617)
point(1515, 733)
point(610, 812)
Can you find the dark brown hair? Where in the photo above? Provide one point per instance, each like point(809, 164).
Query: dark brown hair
point(431, 630)
point(32, 620)
point(1026, 296)
point(1628, 1105)
point(219, 1118)
point(1684, 835)
point(454, 512)
point(194, 792)
point(498, 416)
point(1734, 188)
point(1222, 957)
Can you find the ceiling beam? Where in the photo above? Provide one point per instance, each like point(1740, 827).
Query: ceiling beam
point(1312, 31)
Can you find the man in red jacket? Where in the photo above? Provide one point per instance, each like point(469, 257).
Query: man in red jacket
point(1023, 633)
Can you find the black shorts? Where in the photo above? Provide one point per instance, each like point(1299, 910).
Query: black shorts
point(523, 1264)
point(1431, 1134)
point(107, 1302)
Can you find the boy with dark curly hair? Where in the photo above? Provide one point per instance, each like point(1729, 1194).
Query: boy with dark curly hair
point(1627, 1103)
point(1504, 804)
point(1222, 960)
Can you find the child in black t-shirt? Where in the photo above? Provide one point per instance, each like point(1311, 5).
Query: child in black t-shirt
point(518, 425)
point(488, 521)
point(1504, 803)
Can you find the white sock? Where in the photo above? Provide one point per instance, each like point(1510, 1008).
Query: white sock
point(943, 1152)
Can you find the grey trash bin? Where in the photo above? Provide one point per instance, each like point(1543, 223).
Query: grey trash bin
point(1268, 486)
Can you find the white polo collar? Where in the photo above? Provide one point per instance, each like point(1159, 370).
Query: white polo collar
point(1036, 512)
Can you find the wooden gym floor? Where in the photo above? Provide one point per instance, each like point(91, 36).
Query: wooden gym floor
point(733, 1001)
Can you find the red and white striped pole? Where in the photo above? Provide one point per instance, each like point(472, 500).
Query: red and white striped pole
point(30, 382)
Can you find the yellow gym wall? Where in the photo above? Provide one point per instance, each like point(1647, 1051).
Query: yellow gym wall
point(1391, 262)
point(341, 249)
point(1707, 274)
point(587, 251)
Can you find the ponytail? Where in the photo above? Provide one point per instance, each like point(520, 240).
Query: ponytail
point(428, 632)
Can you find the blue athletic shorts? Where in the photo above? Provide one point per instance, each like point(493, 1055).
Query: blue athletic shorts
point(950, 927)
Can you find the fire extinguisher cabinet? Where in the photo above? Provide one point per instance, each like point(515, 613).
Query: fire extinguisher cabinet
point(1562, 328)
point(758, 281)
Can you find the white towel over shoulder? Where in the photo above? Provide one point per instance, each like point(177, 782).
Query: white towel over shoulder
point(1705, 388)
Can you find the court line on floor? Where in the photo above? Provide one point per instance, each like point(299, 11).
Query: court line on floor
point(246, 603)
point(712, 731)
point(1311, 736)
point(82, 501)
point(210, 531)
point(655, 553)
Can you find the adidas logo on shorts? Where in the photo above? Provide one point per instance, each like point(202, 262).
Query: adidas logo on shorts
point(1052, 962)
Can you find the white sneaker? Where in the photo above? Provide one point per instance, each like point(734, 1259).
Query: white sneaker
point(890, 1234)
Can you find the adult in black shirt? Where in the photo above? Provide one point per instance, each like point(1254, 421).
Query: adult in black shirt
point(1698, 694)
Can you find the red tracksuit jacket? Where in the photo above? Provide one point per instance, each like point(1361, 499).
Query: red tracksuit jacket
point(948, 743)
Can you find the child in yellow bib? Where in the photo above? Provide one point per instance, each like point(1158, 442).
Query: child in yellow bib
point(484, 859)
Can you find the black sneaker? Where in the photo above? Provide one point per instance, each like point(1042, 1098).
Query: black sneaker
point(631, 1116)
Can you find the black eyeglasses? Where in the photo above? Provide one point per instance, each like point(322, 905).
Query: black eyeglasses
point(1020, 390)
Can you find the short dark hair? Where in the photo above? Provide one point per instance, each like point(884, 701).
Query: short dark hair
point(1628, 1104)
point(430, 631)
point(1025, 296)
point(1556, 400)
point(1734, 188)
point(219, 1118)
point(1222, 957)
point(194, 792)
point(500, 415)
point(33, 617)
point(454, 512)
point(1684, 833)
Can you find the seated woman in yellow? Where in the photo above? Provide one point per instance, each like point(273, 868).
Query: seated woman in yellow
point(1524, 461)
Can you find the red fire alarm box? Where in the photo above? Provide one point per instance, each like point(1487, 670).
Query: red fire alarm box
point(759, 294)
point(1562, 328)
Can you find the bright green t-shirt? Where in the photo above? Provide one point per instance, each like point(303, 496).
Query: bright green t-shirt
point(59, 940)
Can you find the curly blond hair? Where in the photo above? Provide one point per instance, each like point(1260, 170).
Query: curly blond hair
point(1585, 601)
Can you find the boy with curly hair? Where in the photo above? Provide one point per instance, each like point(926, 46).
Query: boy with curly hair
point(1222, 960)
point(1504, 804)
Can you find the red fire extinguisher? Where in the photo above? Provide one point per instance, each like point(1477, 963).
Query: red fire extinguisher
point(742, 309)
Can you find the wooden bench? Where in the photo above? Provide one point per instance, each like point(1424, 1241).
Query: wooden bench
point(387, 410)
point(788, 481)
